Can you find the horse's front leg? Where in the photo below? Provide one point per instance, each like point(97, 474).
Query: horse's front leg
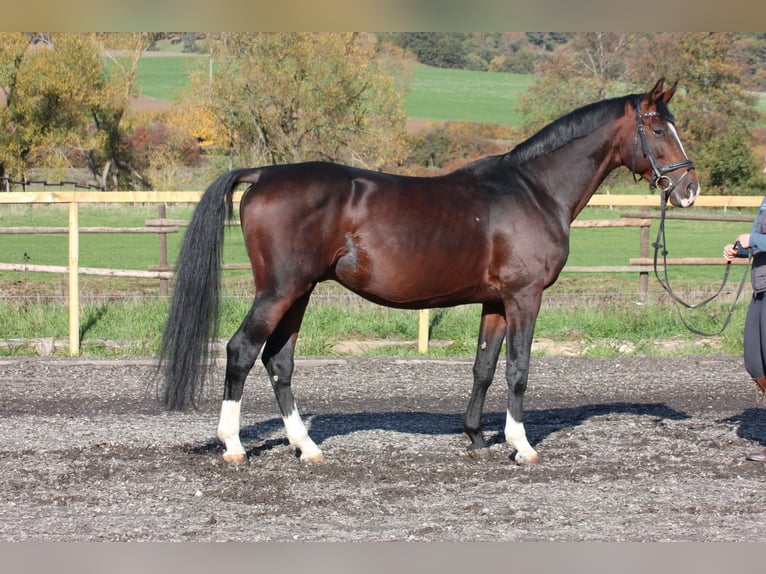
point(519, 347)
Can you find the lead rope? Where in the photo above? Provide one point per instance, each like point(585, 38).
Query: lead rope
point(658, 245)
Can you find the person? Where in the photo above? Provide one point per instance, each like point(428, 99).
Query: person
point(753, 245)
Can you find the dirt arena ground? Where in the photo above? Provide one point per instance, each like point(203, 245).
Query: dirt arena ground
point(632, 449)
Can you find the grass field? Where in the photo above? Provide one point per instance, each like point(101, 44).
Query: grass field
point(162, 77)
point(441, 95)
point(436, 94)
point(601, 246)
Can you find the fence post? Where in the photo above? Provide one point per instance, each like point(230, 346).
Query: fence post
point(161, 210)
point(643, 277)
point(423, 320)
point(74, 279)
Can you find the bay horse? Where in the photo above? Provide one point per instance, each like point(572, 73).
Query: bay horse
point(494, 232)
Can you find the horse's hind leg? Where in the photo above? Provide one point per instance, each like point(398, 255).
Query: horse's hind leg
point(278, 359)
point(491, 335)
point(241, 353)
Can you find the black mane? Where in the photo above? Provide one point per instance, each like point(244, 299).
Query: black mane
point(569, 127)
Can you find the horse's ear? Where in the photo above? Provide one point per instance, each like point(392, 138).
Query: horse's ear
point(668, 94)
point(656, 92)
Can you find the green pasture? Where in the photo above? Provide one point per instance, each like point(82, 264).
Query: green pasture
point(441, 95)
point(435, 94)
point(163, 77)
point(116, 251)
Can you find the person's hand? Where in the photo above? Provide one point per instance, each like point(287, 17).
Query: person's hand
point(729, 252)
point(744, 240)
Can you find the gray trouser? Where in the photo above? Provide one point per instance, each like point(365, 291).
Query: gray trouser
point(755, 337)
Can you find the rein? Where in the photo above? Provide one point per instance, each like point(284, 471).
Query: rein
point(660, 244)
point(666, 186)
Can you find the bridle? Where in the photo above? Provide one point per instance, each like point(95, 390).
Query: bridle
point(659, 180)
point(666, 186)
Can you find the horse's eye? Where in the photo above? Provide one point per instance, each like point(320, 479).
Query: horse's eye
point(658, 132)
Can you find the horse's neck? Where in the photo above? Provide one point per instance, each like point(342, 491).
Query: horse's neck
point(580, 167)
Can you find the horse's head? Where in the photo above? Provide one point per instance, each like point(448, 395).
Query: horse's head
point(658, 155)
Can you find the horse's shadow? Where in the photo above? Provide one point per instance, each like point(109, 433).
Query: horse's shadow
point(539, 424)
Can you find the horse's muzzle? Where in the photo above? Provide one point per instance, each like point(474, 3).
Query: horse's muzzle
point(692, 191)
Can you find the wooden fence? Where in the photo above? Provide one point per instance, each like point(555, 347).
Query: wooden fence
point(162, 227)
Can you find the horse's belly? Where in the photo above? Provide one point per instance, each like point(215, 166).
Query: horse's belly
point(408, 278)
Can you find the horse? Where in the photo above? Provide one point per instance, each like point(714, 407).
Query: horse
point(494, 232)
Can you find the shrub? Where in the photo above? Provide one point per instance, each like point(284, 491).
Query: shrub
point(146, 141)
point(456, 142)
point(729, 165)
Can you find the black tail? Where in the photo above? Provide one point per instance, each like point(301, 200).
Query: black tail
point(194, 311)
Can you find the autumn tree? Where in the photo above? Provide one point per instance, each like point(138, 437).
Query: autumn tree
point(63, 104)
point(287, 97)
point(51, 84)
point(588, 68)
point(13, 46)
point(110, 160)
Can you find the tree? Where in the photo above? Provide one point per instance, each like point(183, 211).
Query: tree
point(714, 108)
point(110, 160)
point(752, 50)
point(587, 69)
point(439, 49)
point(547, 40)
point(287, 97)
point(64, 104)
point(729, 162)
point(51, 86)
point(13, 46)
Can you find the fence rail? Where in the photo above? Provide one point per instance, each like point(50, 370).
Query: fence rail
point(162, 227)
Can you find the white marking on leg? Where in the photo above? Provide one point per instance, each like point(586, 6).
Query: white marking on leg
point(517, 437)
point(299, 437)
point(228, 430)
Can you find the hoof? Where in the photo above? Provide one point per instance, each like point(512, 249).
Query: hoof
point(235, 458)
point(479, 453)
point(523, 459)
point(315, 458)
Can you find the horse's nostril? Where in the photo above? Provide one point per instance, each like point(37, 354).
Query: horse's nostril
point(692, 189)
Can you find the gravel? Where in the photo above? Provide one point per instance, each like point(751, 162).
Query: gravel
point(632, 449)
